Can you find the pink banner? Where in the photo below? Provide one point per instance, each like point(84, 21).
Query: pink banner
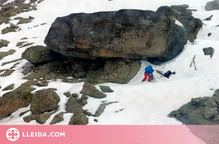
point(111, 134)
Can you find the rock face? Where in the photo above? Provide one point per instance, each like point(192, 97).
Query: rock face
point(212, 5)
point(131, 34)
point(200, 111)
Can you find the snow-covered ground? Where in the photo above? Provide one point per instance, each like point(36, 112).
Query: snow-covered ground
point(136, 102)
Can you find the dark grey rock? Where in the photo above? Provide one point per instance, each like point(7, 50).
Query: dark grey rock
point(131, 34)
point(212, 5)
point(106, 89)
point(208, 51)
point(67, 94)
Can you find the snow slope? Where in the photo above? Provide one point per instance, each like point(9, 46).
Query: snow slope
point(136, 102)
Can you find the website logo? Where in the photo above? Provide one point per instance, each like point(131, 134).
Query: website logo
point(12, 134)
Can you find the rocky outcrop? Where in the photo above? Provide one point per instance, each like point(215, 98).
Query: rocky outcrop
point(44, 101)
point(200, 111)
point(212, 5)
point(131, 34)
point(40, 55)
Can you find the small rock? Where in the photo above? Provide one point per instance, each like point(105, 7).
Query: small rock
point(208, 51)
point(58, 118)
point(106, 89)
point(67, 94)
point(92, 91)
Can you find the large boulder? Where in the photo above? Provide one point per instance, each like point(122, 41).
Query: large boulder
point(212, 5)
point(40, 55)
point(131, 34)
point(44, 101)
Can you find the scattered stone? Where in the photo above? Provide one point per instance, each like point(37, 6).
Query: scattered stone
point(11, 61)
point(57, 118)
point(8, 30)
point(92, 91)
point(79, 117)
point(10, 87)
point(209, 34)
point(208, 18)
point(208, 51)
point(26, 45)
point(23, 20)
point(67, 94)
point(40, 118)
point(20, 43)
point(24, 38)
point(44, 100)
point(3, 43)
point(106, 89)
point(83, 100)
point(23, 113)
point(4, 54)
point(100, 110)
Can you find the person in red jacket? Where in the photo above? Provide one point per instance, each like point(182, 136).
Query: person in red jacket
point(148, 73)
